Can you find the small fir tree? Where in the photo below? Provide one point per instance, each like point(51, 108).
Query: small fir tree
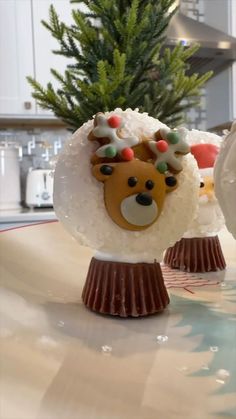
point(118, 60)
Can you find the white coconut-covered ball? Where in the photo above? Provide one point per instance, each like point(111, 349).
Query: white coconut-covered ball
point(79, 198)
point(195, 136)
point(209, 218)
point(225, 179)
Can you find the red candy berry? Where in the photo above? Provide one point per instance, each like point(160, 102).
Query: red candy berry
point(127, 154)
point(114, 121)
point(162, 146)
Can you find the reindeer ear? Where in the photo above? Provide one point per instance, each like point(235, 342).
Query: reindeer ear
point(103, 171)
point(171, 183)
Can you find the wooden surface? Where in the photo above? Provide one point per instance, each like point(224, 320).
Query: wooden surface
point(59, 360)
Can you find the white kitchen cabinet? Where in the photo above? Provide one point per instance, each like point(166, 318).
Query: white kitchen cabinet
point(221, 89)
point(219, 98)
point(16, 57)
point(26, 49)
point(44, 43)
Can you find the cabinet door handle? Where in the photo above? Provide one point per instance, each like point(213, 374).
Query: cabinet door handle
point(27, 105)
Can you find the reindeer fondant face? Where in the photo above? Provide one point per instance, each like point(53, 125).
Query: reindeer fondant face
point(134, 192)
point(135, 186)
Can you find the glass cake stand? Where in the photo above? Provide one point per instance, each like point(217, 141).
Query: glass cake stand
point(61, 360)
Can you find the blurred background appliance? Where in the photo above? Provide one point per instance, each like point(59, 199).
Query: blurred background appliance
point(10, 194)
point(39, 189)
point(39, 181)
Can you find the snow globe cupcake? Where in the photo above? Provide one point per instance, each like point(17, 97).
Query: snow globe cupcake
point(122, 185)
point(225, 179)
point(199, 250)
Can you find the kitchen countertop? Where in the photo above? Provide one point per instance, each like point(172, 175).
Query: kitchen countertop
point(62, 361)
point(27, 214)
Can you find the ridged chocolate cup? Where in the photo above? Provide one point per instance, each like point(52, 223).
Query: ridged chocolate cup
point(125, 289)
point(200, 254)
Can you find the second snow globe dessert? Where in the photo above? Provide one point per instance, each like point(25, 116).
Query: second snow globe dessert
point(225, 179)
point(126, 186)
point(199, 250)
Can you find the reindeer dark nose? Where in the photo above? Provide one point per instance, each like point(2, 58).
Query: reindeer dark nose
point(144, 199)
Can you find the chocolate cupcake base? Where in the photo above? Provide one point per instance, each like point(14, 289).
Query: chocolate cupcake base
point(199, 254)
point(125, 289)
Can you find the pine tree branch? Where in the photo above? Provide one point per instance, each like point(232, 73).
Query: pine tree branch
point(116, 57)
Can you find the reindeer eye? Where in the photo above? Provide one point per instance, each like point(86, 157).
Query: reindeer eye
point(132, 181)
point(149, 184)
point(106, 170)
point(170, 181)
point(202, 184)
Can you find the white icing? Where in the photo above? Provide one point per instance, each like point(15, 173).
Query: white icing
point(79, 198)
point(195, 136)
point(136, 214)
point(103, 130)
point(169, 156)
point(206, 172)
point(125, 258)
point(208, 221)
point(225, 179)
